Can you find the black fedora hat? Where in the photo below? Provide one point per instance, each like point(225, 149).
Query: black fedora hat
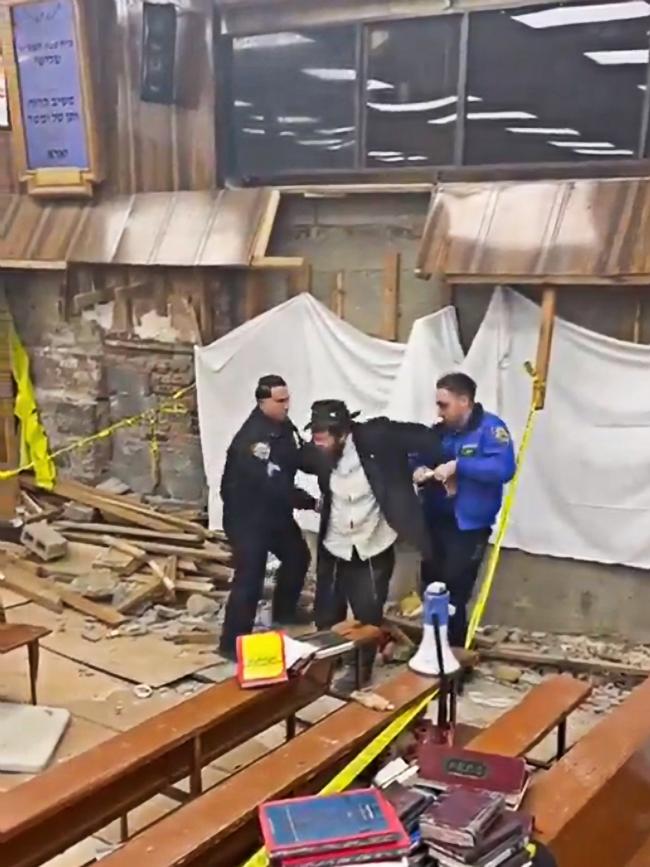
point(327, 414)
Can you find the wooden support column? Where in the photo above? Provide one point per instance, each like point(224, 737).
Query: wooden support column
point(337, 302)
point(299, 280)
point(544, 345)
point(9, 489)
point(253, 294)
point(390, 298)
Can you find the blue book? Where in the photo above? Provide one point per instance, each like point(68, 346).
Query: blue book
point(328, 823)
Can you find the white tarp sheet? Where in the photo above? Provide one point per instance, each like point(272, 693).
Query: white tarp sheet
point(585, 487)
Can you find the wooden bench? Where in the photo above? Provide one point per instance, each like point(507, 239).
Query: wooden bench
point(15, 635)
point(593, 807)
point(546, 707)
point(44, 816)
point(220, 828)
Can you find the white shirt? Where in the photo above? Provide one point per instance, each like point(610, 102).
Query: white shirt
point(355, 518)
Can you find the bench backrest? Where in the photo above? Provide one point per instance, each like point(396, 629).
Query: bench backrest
point(593, 807)
point(49, 813)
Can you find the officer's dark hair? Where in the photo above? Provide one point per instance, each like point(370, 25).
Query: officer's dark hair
point(459, 384)
point(266, 384)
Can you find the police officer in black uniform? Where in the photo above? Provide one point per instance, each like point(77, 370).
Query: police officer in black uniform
point(259, 497)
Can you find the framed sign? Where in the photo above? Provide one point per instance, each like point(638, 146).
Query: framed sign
point(50, 96)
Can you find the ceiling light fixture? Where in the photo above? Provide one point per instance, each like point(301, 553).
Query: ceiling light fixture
point(625, 57)
point(561, 16)
point(319, 142)
point(582, 144)
point(295, 118)
point(385, 153)
point(249, 131)
point(337, 130)
point(606, 153)
point(429, 105)
point(542, 130)
point(270, 40)
point(441, 121)
point(500, 115)
point(239, 103)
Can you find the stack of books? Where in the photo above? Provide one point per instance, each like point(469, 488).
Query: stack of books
point(466, 828)
point(355, 827)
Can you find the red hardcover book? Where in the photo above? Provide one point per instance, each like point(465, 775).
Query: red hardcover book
point(460, 817)
point(323, 824)
point(508, 829)
point(390, 853)
point(451, 766)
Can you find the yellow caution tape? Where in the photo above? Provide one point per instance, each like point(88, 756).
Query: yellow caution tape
point(383, 740)
point(150, 416)
point(34, 446)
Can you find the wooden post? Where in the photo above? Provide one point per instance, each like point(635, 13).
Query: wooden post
point(390, 299)
point(9, 488)
point(299, 279)
point(337, 302)
point(544, 344)
point(253, 294)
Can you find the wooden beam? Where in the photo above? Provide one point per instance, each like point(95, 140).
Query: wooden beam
point(544, 344)
point(265, 228)
point(587, 281)
point(390, 297)
point(337, 302)
point(253, 295)
point(9, 451)
point(278, 263)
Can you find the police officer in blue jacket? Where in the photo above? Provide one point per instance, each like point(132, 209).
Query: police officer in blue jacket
point(462, 497)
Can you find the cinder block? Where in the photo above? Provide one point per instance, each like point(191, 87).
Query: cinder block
point(79, 513)
point(44, 541)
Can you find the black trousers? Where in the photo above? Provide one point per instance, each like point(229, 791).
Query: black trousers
point(251, 547)
point(361, 584)
point(457, 557)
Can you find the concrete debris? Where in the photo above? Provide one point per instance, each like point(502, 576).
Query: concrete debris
point(78, 512)
point(142, 690)
point(93, 632)
point(507, 673)
point(201, 606)
point(113, 486)
point(164, 612)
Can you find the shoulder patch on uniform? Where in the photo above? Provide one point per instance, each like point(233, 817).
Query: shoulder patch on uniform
point(261, 451)
point(500, 434)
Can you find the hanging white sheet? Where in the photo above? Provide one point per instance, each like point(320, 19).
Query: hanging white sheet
point(585, 486)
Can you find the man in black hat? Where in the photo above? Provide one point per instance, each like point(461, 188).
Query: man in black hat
point(368, 502)
point(259, 497)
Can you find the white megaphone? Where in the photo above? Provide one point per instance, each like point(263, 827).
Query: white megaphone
point(435, 650)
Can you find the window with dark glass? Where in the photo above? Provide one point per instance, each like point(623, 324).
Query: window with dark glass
point(560, 83)
point(411, 92)
point(293, 101)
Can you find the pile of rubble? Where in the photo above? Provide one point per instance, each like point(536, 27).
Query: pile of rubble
point(144, 570)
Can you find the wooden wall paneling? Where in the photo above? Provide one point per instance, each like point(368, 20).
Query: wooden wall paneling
point(152, 147)
point(337, 302)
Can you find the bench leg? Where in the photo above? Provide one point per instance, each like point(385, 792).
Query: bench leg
point(124, 828)
point(196, 778)
point(33, 656)
point(561, 738)
point(291, 727)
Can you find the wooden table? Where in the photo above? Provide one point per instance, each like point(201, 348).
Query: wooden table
point(15, 635)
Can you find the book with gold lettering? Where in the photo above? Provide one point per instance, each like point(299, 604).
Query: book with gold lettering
point(261, 659)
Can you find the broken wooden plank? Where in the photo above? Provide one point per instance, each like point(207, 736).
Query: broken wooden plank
point(88, 496)
point(185, 539)
point(135, 551)
point(210, 638)
point(563, 663)
point(208, 552)
point(148, 591)
point(24, 582)
point(105, 613)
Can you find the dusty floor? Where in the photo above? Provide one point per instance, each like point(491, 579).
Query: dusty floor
point(96, 680)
